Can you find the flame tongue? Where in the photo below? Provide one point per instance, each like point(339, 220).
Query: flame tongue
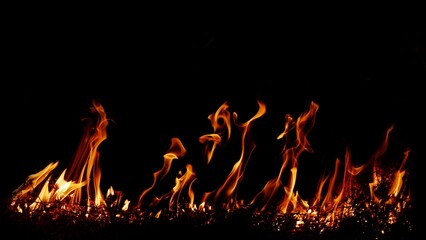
point(33, 181)
point(229, 187)
point(290, 153)
point(85, 166)
point(175, 151)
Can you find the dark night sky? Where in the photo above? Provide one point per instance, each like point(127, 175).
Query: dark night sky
point(161, 77)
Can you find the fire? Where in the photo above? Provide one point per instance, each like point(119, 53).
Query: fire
point(84, 172)
point(176, 150)
point(231, 183)
point(341, 194)
point(290, 153)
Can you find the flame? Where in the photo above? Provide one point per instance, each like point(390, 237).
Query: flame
point(65, 188)
point(228, 189)
point(335, 192)
point(84, 168)
point(175, 151)
point(399, 176)
point(181, 182)
point(33, 181)
point(85, 165)
point(291, 152)
point(221, 122)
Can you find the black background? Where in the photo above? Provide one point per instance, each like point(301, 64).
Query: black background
point(160, 75)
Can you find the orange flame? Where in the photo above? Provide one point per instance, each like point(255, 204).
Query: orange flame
point(291, 153)
point(399, 175)
point(181, 182)
point(234, 178)
point(221, 122)
point(377, 178)
point(33, 181)
point(175, 151)
point(280, 193)
point(85, 165)
point(85, 168)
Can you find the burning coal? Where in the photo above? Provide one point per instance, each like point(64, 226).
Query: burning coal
point(374, 195)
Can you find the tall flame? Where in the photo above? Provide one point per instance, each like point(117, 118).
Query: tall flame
point(85, 165)
point(228, 189)
point(85, 169)
point(290, 153)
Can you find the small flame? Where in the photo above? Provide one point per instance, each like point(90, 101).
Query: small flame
point(221, 122)
point(181, 182)
point(33, 181)
point(399, 176)
point(175, 151)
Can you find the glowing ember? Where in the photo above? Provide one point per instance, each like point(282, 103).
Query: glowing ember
point(344, 197)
